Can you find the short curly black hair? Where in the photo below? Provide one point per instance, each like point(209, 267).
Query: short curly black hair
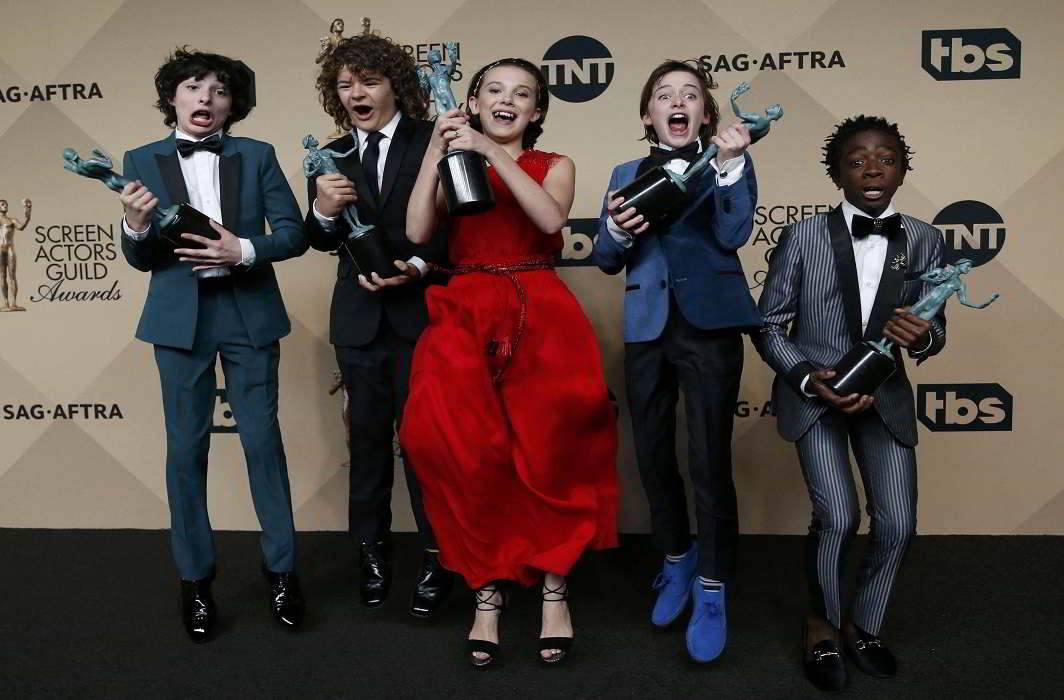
point(187, 63)
point(832, 148)
point(534, 128)
point(367, 54)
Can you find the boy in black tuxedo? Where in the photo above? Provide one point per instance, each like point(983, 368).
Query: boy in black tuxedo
point(369, 85)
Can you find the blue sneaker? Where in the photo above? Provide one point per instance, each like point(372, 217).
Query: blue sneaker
point(674, 586)
point(707, 632)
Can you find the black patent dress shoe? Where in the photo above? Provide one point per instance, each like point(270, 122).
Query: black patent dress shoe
point(198, 611)
point(286, 598)
point(375, 577)
point(824, 666)
point(433, 585)
point(869, 654)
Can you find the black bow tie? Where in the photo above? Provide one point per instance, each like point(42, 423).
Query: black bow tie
point(660, 156)
point(187, 148)
point(864, 226)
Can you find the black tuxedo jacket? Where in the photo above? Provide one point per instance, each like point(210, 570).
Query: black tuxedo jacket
point(355, 314)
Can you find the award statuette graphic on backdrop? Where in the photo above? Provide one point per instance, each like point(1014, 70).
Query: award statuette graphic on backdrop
point(868, 364)
point(463, 174)
point(170, 222)
point(8, 259)
point(367, 245)
point(660, 191)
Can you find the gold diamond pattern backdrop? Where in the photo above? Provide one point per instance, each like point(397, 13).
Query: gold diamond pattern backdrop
point(80, 416)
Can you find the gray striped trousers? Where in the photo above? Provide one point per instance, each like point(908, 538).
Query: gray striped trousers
point(888, 473)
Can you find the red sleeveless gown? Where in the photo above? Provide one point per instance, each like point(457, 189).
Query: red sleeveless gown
point(508, 425)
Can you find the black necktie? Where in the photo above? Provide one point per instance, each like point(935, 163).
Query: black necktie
point(660, 156)
point(369, 162)
point(187, 148)
point(864, 226)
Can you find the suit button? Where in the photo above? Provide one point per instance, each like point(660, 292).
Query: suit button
point(663, 284)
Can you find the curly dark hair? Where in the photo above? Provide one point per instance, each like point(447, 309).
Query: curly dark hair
point(368, 54)
point(832, 148)
point(535, 128)
point(705, 83)
point(187, 63)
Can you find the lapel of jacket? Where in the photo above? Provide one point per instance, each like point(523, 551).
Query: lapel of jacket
point(170, 172)
point(846, 270)
point(398, 146)
point(888, 296)
point(229, 184)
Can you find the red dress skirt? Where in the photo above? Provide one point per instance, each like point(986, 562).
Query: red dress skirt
point(508, 424)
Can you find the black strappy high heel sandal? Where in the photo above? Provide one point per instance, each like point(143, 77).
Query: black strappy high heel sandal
point(483, 597)
point(562, 644)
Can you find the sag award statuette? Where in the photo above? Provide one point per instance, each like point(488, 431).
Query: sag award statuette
point(659, 192)
point(367, 245)
point(868, 364)
point(170, 222)
point(463, 174)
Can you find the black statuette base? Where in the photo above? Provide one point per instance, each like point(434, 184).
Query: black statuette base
point(862, 370)
point(653, 194)
point(182, 218)
point(372, 252)
point(464, 176)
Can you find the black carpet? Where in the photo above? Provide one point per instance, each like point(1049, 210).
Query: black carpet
point(95, 614)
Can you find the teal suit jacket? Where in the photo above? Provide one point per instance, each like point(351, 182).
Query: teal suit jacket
point(253, 190)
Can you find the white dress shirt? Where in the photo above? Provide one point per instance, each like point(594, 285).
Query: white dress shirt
point(729, 174)
point(328, 223)
point(200, 173)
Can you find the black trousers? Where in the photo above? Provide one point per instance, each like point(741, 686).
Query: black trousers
point(377, 379)
point(707, 365)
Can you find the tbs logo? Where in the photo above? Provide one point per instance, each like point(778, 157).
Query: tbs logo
point(223, 422)
point(971, 54)
point(578, 68)
point(973, 230)
point(579, 236)
point(953, 407)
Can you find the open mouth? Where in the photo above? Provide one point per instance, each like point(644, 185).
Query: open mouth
point(503, 116)
point(678, 123)
point(362, 111)
point(872, 192)
point(201, 117)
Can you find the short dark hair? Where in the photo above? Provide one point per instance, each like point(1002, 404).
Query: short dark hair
point(535, 128)
point(366, 54)
point(705, 84)
point(187, 63)
point(832, 148)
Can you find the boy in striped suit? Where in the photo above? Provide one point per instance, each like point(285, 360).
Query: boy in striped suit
point(834, 279)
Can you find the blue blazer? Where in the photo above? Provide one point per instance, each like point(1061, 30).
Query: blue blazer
point(253, 190)
point(695, 256)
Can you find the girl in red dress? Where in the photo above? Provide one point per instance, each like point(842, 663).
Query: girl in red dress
point(508, 423)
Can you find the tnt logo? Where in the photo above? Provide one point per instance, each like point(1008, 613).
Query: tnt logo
point(953, 407)
point(579, 236)
point(973, 230)
point(971, 54)
point(578, 68)
point(223, 415)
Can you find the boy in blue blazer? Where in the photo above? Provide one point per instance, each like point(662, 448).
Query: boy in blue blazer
point(686, 307)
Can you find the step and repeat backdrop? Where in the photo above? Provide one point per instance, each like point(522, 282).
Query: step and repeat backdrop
point(973, 84)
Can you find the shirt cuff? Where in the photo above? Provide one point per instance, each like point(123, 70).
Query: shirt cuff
point(622, 237)
point(730, 172)
point(327, 223)
point(421, 265)
point(804, 382)
point(135, 235)
point(247, 252)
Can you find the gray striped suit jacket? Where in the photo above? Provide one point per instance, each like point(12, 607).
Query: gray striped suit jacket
point(811, 308)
